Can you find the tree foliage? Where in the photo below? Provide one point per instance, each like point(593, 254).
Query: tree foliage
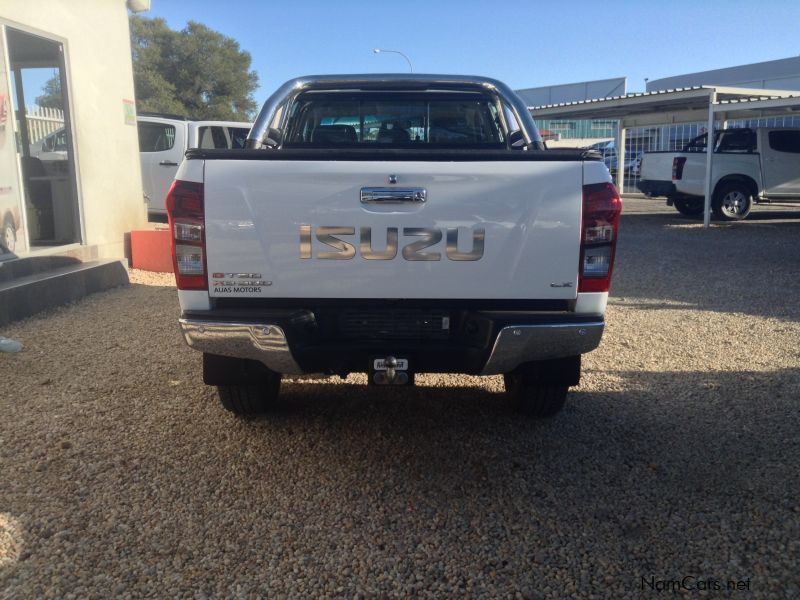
point(197, 72)
point(51, 93)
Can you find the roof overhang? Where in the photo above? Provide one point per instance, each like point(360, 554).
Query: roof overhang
point(670, 106)
point(753, 108)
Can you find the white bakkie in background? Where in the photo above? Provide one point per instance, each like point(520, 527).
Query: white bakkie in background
point(163, 140)
point(393, 225)
point(750, 166)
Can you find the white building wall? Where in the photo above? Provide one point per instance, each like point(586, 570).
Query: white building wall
point(782, 74)
point(96, 39)
point(571, 92)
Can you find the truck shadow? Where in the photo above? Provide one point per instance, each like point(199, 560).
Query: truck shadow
point(678, 442)
point(662, 467)
point(672, 417)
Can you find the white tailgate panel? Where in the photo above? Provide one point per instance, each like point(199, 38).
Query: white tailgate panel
point(530, 211)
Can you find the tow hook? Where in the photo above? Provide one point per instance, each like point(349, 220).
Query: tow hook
point(391, 364)
point(391, 375)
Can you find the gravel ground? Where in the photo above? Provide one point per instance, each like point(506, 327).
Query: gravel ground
point(677, 456)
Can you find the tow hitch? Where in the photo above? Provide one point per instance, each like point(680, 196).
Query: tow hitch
point(390, 371)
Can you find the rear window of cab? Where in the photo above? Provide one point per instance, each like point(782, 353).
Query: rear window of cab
point(395, 120)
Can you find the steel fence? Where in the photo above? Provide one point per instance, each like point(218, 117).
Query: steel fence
point(43, 121)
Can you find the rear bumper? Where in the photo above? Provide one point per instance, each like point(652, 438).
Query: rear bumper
point(518, 344)
point(505, 349)
point(264, 342)
point(653, 187)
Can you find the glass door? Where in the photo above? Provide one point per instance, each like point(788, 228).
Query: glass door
point(44, 139)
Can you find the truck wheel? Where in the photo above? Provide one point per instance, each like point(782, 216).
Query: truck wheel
point(534, 398)
point(691, 207)
point(250, 399)
point(732, 201)
point(245, 387)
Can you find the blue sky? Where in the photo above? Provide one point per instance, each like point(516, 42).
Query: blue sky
point(525, 44)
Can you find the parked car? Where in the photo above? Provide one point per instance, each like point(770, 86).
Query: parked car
point(750, 166)
point(393, 225)
point(608, 150)
point(52, 147)
point(163, 140)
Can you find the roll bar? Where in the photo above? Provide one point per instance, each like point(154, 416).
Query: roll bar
point(286, 94)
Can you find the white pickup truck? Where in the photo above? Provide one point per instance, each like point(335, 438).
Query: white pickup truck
point(750, 165)
point(393, 225)
point(163, 140)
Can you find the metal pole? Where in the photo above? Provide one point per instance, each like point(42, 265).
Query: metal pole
point(408, 60)
point(712, 99)
point(620, 144)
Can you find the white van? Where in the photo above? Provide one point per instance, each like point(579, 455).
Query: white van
point(163, 140)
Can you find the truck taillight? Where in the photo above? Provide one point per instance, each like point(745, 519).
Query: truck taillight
point(187, 226)
point(601, 209)
point(677, 167)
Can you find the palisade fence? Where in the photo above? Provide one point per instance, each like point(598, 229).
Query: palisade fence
point(43, 121)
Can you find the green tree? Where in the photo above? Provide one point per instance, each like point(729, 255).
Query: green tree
point(51, 93)
point(197, 72)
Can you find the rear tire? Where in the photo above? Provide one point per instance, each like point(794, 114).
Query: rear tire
point(733, 201)
point(250, 399)
point(245, 387)
point(691, 207)
point(539, 389)
point(537, 400)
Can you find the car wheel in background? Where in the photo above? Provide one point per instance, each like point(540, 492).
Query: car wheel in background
point(9, 238)
point(732, 201)
point(691, 207)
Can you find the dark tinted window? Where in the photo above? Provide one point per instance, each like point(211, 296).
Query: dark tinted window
point(238, 136)
point(737, 140)
point(409, 120)
point(785, 141)
point(156, 137)
point(698, 144)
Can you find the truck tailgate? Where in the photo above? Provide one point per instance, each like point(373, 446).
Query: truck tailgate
point(657, 166)
point(297, 229)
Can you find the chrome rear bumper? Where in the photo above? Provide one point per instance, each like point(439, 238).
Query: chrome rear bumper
point(263, 342)
point(514, 345)
point(525, 343)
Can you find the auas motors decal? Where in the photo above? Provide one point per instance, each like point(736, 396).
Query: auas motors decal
point(330, 245)
point(238, 283)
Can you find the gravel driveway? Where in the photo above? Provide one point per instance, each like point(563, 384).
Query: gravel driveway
point(677, 456)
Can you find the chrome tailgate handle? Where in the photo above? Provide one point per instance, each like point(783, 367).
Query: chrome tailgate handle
point(378, 195)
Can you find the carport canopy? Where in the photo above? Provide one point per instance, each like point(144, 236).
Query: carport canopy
point(683, 105)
